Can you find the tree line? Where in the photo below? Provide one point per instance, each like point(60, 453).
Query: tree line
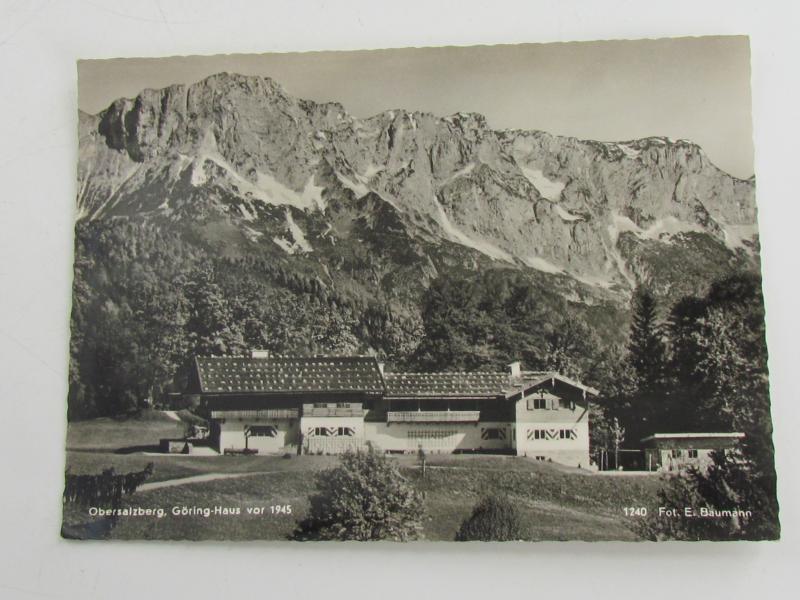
point(702, 367)
point(145, 302)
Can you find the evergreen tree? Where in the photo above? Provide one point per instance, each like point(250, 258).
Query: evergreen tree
point(646, 348)
point(720, 356)
point(639, 399)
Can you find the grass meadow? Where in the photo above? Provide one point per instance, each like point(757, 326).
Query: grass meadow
point(556, 502)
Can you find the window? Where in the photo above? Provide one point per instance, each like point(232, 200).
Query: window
point(331, 432)
point(342, 405)
point(543, 403)
point(552, 434)
point(692, 453)
point(261, 431)
point(493, 433)
point(430, 434)
point(677, 453)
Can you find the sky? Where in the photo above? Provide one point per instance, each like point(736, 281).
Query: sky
point(691, 88)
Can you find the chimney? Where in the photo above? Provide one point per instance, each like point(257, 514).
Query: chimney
point(380, 366)
point(259, 353)
point(515, 368)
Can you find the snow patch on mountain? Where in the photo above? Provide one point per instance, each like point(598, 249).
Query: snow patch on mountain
point(669, 226)
point(593, 280)
point(547, 188)
point(358, 188)
point(370, 172)
point(359, 184)
point(297, 233)
point(251, 234)
point(660, 229)
point(285, 245)
point(566, 215)
point(462, 172)
point(459, 237)
point(114, 197)
point(736, 235)
point(312, 193)
point(540, 264)
point(267, 189)
point(246, 214)
point(271, 191)
point(629, 151)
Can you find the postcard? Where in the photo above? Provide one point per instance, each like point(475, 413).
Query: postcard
point(490, 293)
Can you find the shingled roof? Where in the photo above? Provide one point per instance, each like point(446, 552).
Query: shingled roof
point(453, 384)
point(474, 384)
point(218, 374)
point(285, 374)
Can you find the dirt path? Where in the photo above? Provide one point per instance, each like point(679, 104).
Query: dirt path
point(146, 487)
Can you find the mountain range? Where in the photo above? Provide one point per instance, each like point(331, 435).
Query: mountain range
point(381, 206)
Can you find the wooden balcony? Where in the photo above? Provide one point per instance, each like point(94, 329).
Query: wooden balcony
point(434, 416)
point(264, 413)
point(343, 409)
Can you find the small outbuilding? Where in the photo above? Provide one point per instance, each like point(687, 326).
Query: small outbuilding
point(678, 451)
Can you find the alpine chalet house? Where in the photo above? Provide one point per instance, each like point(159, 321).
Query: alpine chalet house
point(679, 451)
point(329, 404)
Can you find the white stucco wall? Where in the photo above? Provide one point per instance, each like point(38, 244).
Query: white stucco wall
point(232, 435)
point(572, 452)
point(436, 437)
point(333, 443)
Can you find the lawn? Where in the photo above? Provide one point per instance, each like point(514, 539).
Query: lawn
point(556, 502)
point(556, 505)
point(136, 432)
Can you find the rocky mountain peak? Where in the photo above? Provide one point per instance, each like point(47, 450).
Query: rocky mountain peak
point(598, 213)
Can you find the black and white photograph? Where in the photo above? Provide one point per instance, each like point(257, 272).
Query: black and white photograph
point(486, 293)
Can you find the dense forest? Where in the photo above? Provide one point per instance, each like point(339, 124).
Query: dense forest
point(146, 301)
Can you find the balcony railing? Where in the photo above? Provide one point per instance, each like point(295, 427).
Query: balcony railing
point(352, 409)
point(265, 413)
point(434, 416)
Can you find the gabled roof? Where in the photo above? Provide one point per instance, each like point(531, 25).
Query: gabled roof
point(474, 384)
point(529, 379)
point(218, 374)
point(290, 374)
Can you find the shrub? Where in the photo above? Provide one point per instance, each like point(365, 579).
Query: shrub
point(738, 498)
point(493, 520)
point(364, 498)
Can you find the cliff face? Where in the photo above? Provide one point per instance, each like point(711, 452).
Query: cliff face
point(295, 177)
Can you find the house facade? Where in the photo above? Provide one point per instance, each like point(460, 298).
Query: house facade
point(679, 451)
point(328, 405)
